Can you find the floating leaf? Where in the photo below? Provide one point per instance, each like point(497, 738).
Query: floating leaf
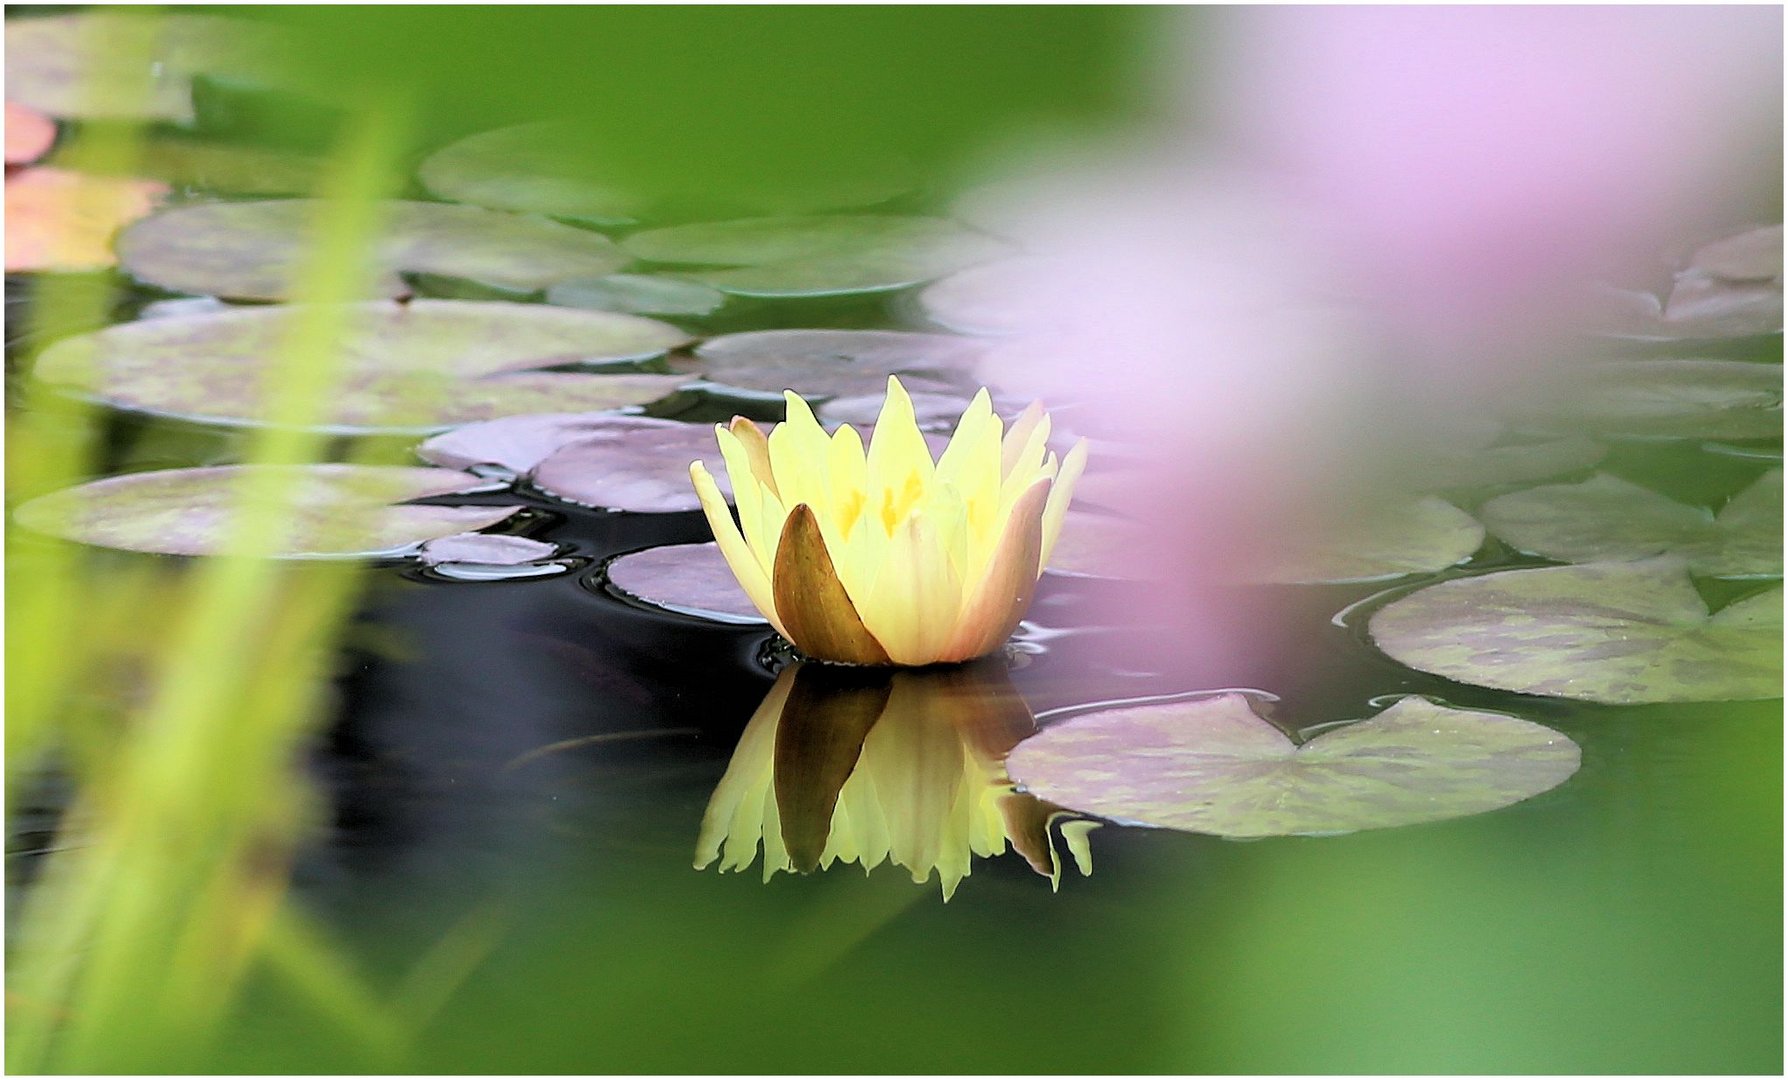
point(639, 294)
point(58, 220)
point(484, 549)
point(1618, 633)
point(416, 366)
point(1487, 466)
point(632, 463)
point(1704, 306)
point(690, 579)
point(29, 134)
point(1386, 540)
point(1211, 765)
point(111, 64)
point(815, 256)
point(333, 510)
point(993, 299)
point(227, 169)
point(532, 168)
point(252, 250)
point(933, 412)
point(1098, 546)
point(1754, 255)
point(1708, 399)
point(837, 363)
point(1607, 518)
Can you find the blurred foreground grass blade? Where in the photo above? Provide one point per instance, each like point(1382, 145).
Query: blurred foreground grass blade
point(50, 443)
point(134, 942)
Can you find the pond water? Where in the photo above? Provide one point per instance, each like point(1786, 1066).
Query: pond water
point(1505, 796)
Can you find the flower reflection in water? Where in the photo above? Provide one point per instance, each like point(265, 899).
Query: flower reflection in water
point(870, 765)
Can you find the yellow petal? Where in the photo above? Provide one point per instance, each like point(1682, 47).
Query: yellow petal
point(998, 600)
point(1018, 436)
point(899, 466)
point(798, 448)
point(732, 545)
point(1072, 466)
point(917, 595)
point(757, 449)
point(819, 615)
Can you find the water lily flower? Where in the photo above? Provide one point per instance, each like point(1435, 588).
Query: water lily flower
point(852, 765)
point(887, 556)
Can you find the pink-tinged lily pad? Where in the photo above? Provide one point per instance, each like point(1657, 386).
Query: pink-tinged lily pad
point(632, 463)
point(992, 300)
point(1705, 399)
point(1374, 542)
point(407, 367)
point(838, 363)
point(29, 134)
point(325, 510)
point(638, 294)
point(484, 549)
point(1606, 518)
point(816, 255)
point(933, 412)
point(515, 443)
point(1753, 255)
point(253, 250)
point(531, 168)
point(690, 579)
point(58, 220)
point(115, 64)
point(1211, 765)
point(1099, 546)
point(1621, 633)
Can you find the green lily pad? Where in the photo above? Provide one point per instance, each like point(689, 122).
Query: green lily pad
point(1617, 633)
point(816, 255)
point(252, 250)
point(1704, 399)
point(1753, 255)
point(127, 65)
point(532, 168)
point(329, 510)
point(837, 363)
point(407, 367)
point(1514, 463)
point(1607, 518)
point(1389, 540)
point(1211, 765)
point(638, 294)
point(689, 579)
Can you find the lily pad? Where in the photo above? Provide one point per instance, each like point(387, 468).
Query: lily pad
point(125, 65)
point(1211, 765)
point(639, 294)
point(816, 255)
point(29, 134)
point(837, 363)
point(252, 250)
point(690, 579)
point(932, 412)
point(227, 169)
point(1514, 463)
point(1753, 255)
point(331, 510)
point(1705, 399)
point(1618, 633)
point(994, 299)
point(1607, 518)
point(1704, 306)
point(1388, 540)
point(58, 220)
point(531, 168)
point(1098, 546)
point(407, 367)
point(483, 549)
point(632, 463)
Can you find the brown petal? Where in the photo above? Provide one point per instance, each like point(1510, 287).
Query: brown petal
point(812, 603)
point(828, 714)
